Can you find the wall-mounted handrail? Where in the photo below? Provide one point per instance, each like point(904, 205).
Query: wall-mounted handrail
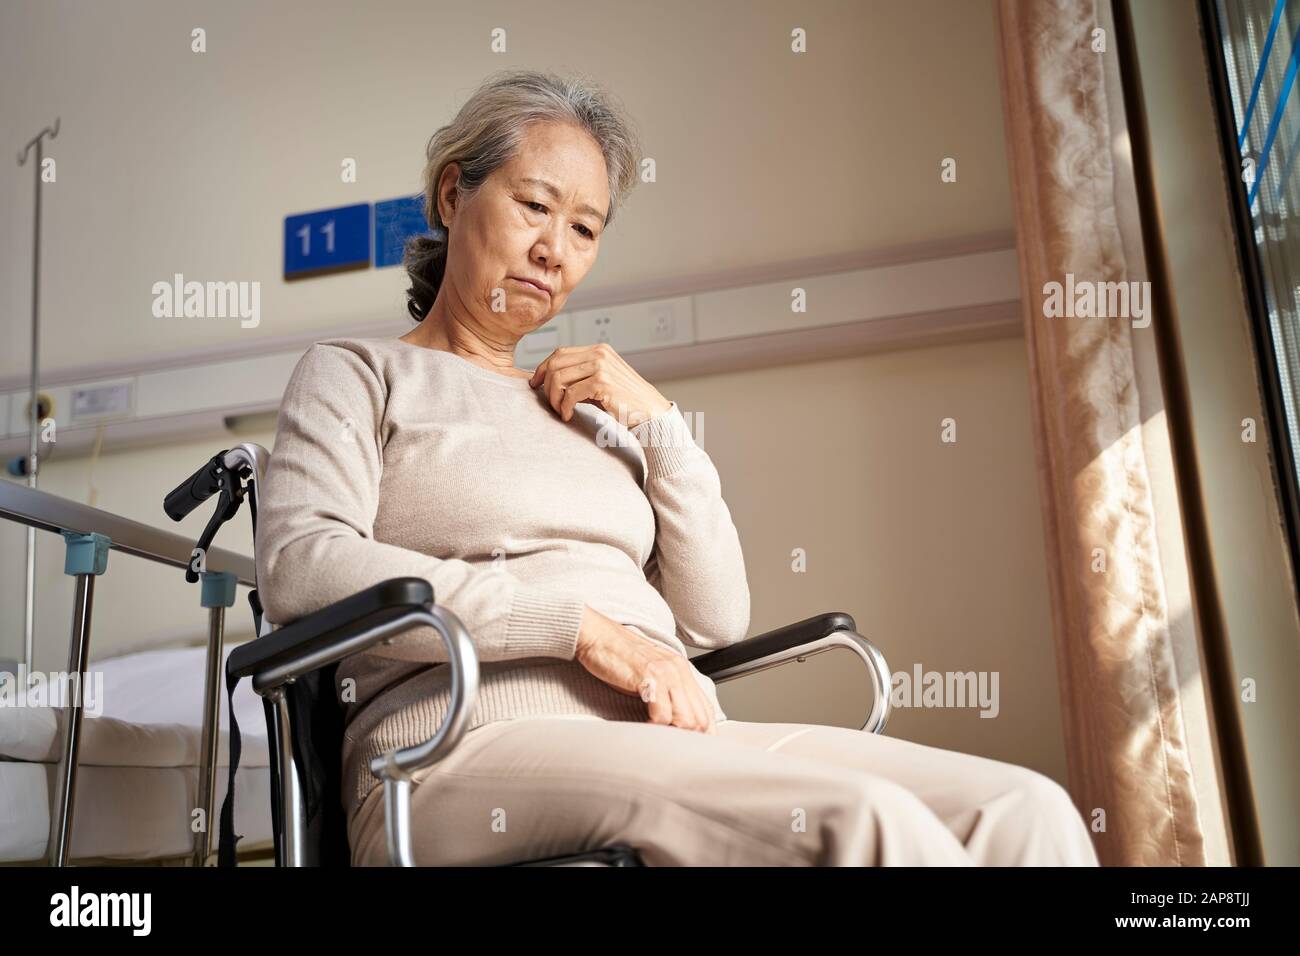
point(40, 509)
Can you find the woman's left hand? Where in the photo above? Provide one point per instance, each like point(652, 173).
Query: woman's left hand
point(597, 375)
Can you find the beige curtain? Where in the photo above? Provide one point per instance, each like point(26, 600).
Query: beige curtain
point(1130, 688)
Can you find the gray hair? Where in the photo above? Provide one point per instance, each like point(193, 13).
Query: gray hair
point(488, 132)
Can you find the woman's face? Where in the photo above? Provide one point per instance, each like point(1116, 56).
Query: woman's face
point(538, 217)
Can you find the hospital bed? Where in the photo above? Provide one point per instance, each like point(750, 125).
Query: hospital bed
point(292, 668)
point(139, 766)
point(142, 757)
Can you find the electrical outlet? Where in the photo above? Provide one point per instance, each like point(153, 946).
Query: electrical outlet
point(540, 343)
point(632, 328)
point(663, 326)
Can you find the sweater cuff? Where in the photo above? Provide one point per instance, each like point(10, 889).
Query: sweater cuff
point(542, 624)
point(667, 441)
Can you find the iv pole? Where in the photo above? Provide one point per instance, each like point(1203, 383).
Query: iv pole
point(29, 618)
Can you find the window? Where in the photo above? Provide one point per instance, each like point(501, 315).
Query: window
point(1255, 61)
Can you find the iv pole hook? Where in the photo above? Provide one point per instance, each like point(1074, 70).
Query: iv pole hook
point(22, 155)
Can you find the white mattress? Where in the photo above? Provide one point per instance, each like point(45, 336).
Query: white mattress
point(137, 781)
point(125, 813)
point(152, 710)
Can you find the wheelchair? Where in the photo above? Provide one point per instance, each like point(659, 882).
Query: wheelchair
point(293, 669)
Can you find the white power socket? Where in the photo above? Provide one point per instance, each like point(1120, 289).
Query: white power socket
point(534, 347)
point(633, 328)
point(662, 322)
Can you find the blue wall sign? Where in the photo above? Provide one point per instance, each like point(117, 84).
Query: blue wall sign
point(396, 220)
point(330, 240)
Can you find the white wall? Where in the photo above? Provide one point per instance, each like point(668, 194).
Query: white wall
point(171, 161)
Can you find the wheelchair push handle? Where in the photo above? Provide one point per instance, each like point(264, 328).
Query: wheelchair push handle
point(195, 489)
point(214, 478)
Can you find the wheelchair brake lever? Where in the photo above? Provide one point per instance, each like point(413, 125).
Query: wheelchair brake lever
point(227, 506)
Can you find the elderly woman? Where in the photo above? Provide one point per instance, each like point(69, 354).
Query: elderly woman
point(580, 565)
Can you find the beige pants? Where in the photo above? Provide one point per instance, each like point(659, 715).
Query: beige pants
point(756, 794)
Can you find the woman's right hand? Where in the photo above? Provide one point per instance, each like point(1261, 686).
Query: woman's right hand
point(661, 677)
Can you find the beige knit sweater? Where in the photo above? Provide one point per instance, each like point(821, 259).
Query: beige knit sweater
point(393, 459)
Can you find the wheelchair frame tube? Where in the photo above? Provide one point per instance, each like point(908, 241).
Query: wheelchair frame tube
point(870, 655)
point(397, 808)
point(393, 768)
point(290, 851)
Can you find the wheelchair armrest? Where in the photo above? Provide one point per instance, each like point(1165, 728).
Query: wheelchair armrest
point(804, 638)
point(316, 637)
point(346, 627)
point(772, 642)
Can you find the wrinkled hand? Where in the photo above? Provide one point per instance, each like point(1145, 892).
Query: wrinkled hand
point(597, 375)
point(633, 664)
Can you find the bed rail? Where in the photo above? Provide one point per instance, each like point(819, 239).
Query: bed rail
point(89, 534)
